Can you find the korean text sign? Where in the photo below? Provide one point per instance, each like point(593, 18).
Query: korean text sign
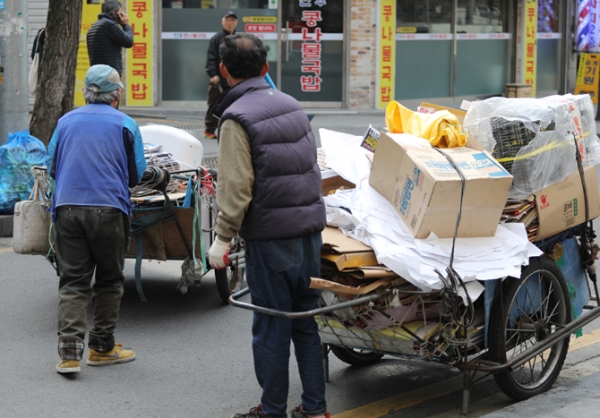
point(139, 57)
point(386, 52)
point(530, 53)
point(311, 51)
point(587, 76)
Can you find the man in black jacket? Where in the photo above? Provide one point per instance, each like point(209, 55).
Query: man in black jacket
point(218, 85)
point(108, 35)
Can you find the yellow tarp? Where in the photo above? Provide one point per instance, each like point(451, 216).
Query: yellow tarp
point(441, 128)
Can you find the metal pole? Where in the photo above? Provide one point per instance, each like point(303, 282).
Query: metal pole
point(14, 92)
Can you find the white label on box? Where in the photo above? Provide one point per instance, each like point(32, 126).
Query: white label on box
point(465, 105)
point(570, 211)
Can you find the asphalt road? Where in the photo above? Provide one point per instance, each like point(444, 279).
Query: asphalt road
point(194, 358)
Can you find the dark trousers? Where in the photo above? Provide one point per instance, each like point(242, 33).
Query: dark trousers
point(214, 94)
point(278, 273)
point(89, 239)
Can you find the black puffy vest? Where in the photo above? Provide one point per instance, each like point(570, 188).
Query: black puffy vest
point(286, 196)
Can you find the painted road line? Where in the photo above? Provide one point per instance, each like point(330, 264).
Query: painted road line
point(6, 250)
point(414, 397)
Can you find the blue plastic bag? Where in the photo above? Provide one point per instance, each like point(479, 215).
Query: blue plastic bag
point(17, 156)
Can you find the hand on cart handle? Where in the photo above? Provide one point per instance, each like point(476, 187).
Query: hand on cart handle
point(218, 255)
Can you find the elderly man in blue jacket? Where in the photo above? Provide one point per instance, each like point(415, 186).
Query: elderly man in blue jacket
point(97, 155)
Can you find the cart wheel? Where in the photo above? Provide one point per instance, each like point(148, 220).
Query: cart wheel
point(355, 356)
point(233, 278)
point(529, 311)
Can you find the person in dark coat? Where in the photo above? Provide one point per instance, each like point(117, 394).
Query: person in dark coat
point(108, 35)
point(218, 85)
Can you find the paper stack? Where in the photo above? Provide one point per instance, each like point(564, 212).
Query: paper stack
point(522, 211)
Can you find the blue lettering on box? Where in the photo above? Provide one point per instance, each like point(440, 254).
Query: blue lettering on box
point(485, 164)
point(409, 185)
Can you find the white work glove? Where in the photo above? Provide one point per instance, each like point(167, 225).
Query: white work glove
point(218, 253)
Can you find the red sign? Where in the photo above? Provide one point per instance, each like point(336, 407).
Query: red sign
point(260, 27)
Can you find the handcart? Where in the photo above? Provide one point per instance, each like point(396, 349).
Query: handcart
point(185, 232)
point(518, 330)
point(523, 340)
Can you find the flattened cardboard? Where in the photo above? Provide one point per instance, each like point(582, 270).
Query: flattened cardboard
point(334, 240)
point(345, 252)
point(562, 205)
point(425, 189)
point(351, 260)
point(346, 291)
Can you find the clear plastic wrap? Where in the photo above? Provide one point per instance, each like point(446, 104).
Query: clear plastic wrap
point(585, 108)
point(531, 138)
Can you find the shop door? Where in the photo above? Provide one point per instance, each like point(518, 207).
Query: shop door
point(311, 51)
point(450, 48)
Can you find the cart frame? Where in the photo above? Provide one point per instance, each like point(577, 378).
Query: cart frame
point(475, 367)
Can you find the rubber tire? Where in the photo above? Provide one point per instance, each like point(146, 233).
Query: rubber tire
point(222, 277)
point(498, 337)
point(354, 357)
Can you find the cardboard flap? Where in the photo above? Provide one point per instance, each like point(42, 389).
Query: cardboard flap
point(335, 241)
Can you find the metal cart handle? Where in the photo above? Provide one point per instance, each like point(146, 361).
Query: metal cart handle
point(298, 315)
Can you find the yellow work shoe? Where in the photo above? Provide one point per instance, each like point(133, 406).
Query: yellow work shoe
point(117, 355)
point(68, 366)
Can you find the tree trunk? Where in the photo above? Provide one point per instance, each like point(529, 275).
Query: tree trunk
point(56, 82)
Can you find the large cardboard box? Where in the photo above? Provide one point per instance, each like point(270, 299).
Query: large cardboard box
point(425, 189)
point(562, 205)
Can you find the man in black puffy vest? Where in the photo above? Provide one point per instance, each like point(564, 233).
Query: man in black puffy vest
point(109, 35)
point(269, 191)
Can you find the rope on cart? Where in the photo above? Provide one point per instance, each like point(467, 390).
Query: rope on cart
point(461, 318)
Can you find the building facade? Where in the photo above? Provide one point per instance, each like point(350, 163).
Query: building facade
point(353, 54)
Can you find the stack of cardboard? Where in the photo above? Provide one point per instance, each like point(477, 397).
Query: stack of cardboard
point(350, 268)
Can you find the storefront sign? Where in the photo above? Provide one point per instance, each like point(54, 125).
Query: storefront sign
point(259, 19)
point(1, 6)
point(89, 15)
point(527, 21)
point(386, 47)
point(260, 28)
point(587, 76)
point(139, 57)
point(311, 47)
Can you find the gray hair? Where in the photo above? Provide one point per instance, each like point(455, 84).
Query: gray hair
point(110, 6)
point(92, 95)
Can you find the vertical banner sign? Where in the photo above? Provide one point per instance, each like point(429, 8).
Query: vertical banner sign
point(531, 23)
point(1, 4)
point(386, 47)
point(587, 76)
point(526, 62)
point(89, 15)
point(311, 47)
point(139, 86)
